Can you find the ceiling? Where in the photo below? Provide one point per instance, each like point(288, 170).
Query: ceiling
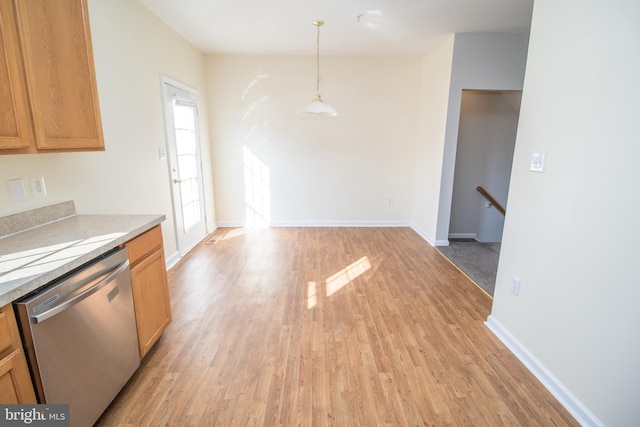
point(352, 27)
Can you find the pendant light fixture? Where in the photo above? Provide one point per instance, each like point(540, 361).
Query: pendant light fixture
point(317, 107)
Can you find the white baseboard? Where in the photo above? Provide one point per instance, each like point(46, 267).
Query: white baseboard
point(463, 236)
point(323, 224)
point(229, 224)
point(428, 238)
point(424, 235)
point(340, 224)
point(172, 260)
point(553, 384)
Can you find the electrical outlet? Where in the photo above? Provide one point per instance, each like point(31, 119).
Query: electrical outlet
point(37, 187)
point(515, 285)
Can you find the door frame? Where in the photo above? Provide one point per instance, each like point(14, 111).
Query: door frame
point(164, 81)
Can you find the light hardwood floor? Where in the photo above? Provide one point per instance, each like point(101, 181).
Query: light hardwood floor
point(328, 326)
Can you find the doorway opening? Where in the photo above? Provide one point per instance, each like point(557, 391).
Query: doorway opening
point(185, 163)
point(484, 156)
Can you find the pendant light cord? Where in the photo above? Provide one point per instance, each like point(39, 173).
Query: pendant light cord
point(318, 24)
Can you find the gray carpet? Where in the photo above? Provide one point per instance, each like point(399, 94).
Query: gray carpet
point(478, 260)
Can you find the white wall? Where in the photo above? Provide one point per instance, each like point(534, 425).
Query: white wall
point(320, 171)
point(131, 48)
point(434, 98)
point(571, 233)
point(480, 62)
point(486, 139)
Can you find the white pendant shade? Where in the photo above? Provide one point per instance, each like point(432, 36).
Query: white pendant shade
point(318, 107)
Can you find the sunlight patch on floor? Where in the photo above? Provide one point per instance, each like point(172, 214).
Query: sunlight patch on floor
point(312, 298)
point(338, 281)
point(346, 275)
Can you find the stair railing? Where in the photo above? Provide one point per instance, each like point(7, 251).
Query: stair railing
point(491, 200)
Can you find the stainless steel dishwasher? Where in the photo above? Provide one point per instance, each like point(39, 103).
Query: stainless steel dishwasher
point(80, 336)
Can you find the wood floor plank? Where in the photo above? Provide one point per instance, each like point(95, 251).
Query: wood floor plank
point(328, 327)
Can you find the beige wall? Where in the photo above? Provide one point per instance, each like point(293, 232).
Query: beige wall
point(320, 171)
point(131, 48)
point(571, 234)
point(434, 101)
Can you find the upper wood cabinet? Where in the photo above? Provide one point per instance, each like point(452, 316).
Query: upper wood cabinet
point(16, 123)
point(49, 97)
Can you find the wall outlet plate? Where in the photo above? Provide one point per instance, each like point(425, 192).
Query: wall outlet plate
point(37, 187)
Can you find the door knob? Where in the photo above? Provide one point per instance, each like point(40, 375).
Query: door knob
point(177, 181)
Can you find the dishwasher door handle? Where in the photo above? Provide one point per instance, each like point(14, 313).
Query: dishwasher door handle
point(102, 281)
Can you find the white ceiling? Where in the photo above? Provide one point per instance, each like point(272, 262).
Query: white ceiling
point(351, 27)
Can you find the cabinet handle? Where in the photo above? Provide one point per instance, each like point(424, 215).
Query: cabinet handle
point(177, 180)
point(98, 283)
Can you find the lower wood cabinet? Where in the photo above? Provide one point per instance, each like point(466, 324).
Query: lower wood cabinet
point(15, 381)
point(150, 287)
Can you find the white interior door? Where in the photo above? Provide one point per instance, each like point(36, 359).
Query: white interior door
point(183, 144)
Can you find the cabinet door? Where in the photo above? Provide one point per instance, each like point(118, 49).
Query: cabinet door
point(56, 45)
point(16, 124)
point(15, 382)
point(150, 299)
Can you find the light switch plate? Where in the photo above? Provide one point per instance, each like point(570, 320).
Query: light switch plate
point(16, 187)
point(538, 162)
point(515, 285)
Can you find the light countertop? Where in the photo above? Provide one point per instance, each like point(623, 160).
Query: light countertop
point(32, 258)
